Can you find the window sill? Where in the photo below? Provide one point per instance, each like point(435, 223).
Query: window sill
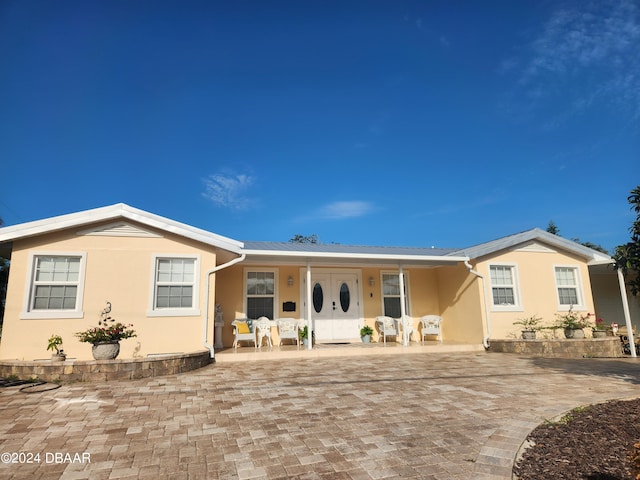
point(50, 315)
point(187, 312)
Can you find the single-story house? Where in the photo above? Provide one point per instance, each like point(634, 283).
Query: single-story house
point(169, 279)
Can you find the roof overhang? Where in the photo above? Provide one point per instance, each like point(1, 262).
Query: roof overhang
point(113, 212)
point(351, 258)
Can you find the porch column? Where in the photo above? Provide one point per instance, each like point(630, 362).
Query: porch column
point(627, 316)
point(309, 322)
point(403, 312)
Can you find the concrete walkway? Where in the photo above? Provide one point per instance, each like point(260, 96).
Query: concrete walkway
point(431, 416)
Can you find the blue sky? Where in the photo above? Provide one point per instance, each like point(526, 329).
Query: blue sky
point(406, 123)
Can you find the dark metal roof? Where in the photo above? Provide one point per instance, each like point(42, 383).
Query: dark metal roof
point(336, 248)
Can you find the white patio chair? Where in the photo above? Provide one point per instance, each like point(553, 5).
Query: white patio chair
point(288, 330)
point(388, 327)
point(263, 329)
point(243, 332)
point(430, 325)
point(407, 327)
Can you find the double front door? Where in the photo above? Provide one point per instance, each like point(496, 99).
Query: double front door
point(335, 306)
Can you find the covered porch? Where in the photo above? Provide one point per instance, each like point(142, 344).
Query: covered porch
point(335, 290)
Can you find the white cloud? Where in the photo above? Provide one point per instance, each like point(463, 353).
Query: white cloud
point(228, 190)
point(584, 54)
point(347, 209)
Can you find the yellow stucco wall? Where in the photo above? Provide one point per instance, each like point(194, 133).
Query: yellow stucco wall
point(118, 270)
point(537, 288)
point(462, 306)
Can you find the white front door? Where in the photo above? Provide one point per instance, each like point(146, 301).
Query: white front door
point(335, 306)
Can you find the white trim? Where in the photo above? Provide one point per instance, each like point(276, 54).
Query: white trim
point(517, 297)
point(580, 306)
point(194, 311)
point(276, 288)
point(28, 313)
point(114, 212)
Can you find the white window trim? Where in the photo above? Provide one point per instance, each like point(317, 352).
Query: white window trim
point(580, 306)
point(407, 289)
point(276, 301)
point(174, 312)
point(28, 313)
point(517, 307)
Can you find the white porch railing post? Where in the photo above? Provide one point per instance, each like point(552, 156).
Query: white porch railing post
point(309, 322)
point(403, 311)
point(627, 316)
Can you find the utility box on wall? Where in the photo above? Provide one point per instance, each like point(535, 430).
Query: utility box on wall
point(289, 306)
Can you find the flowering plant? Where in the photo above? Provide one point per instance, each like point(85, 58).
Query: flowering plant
point(572, 320)
point(107, 330)
point(112, 333)
point(599, 325)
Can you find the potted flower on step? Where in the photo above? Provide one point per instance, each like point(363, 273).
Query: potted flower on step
point(599, 330)
point(530, 325)
point(55, 342)
point(572, 323)
point(365, 334)
point(106, 337)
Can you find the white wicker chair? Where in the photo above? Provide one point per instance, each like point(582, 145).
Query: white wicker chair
point(388, 327)
point(263, 329)
point(407, 327)
point(288, 330)
point(431, 326)
point(243, 336)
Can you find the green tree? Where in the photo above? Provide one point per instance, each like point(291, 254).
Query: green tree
point(552, 228)
point(627, 256)
point(313, 238)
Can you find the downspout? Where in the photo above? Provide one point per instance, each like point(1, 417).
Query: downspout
point(205, 322)
point(627, 316)
point(485, 340)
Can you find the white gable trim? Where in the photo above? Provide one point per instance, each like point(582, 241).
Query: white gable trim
point(114, 212)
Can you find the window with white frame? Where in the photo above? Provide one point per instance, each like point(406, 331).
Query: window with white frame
point(260, 293)
point(56, 286)
point(568, 287)
point(504, 289)
point(175, 286)
point(391, 295)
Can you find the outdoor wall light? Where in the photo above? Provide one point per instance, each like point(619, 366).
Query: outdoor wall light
point(290, 281)
point(372, 281)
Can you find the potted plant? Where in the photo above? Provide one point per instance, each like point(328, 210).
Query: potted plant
point(106, 337)
point(530, 325)
point(365, 334)
point(304, 335)
point(572, 323)
point(599, 329)
point(55, 342)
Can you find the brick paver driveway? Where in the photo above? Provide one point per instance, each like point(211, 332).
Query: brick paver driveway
point(433, 416)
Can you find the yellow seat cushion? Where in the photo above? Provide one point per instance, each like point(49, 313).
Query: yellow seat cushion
point(243, 328)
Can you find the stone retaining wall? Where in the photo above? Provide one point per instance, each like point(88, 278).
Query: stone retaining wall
point(590, 347)
point(104, 370)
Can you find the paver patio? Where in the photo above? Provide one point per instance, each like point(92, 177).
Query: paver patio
point(430, 416)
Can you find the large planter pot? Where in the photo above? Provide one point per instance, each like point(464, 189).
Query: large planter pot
point(573, 333)
point(105, 350)
point(528, 335)
point(599, 334)
point(366, 338)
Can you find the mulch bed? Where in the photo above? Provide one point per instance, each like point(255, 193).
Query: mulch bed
point(591, 443)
